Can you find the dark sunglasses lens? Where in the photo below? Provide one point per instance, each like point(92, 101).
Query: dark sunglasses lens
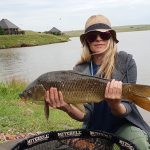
point(105, 35)
point(91, 36)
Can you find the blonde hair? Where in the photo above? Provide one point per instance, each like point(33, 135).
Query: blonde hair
point(108, 60)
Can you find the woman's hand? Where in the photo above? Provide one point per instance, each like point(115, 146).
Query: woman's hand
point(113, 94)
point(55, 99)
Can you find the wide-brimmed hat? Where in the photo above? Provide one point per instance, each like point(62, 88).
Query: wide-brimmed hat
point(98, 23)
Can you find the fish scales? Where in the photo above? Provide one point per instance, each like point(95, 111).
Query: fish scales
point(74, 86)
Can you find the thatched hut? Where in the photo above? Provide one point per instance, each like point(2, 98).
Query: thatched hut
point(9, 27)
point(55, 31)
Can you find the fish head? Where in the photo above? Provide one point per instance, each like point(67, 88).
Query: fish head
point(36, 92)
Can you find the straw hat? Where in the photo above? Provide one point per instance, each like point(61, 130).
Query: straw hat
point(98, 23)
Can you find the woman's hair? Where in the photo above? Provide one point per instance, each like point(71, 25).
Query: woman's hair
point(108, 60)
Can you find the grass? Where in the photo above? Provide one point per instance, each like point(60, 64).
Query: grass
point(18, 117)
point(30, 39)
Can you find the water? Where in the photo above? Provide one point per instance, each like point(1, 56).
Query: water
point(30, 62)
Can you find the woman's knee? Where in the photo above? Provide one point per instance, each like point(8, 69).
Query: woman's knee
point(135, 135)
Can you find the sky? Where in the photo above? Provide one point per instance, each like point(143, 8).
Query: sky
point(66, 15)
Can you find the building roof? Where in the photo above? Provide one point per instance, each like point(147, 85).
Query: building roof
point(6, 24)
point(54, 30)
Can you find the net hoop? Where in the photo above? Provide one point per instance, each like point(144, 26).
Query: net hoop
point(71, 134)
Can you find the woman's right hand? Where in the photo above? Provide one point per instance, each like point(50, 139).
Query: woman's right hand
point(55, 99)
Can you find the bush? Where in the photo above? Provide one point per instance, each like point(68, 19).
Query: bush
point(1, 31)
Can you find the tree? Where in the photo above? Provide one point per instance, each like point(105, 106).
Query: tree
point(1, 31)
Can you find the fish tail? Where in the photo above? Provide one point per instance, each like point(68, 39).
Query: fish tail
point(46, 110)
point(142, 102)
point(139, 94)
point(140, 90)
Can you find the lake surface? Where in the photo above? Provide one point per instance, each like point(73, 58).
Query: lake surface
point(30, 62)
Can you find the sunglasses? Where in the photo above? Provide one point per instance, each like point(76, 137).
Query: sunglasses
point(92, 36)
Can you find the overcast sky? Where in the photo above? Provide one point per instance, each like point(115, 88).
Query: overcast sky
point(42, 15)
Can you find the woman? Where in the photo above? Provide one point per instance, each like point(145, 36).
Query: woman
point(100, 58)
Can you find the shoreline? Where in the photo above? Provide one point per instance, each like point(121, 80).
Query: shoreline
point(31, 38)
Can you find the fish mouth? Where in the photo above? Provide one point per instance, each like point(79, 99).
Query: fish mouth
point(23, 98)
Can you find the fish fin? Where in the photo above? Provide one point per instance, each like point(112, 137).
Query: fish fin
point(142, 102)
point(46, 110)
point(80, 107)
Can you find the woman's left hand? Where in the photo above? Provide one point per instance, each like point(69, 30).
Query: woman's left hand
point(113, 93)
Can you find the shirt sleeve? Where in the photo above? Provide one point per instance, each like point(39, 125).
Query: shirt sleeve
point(131, 71)
point(89, 110)
point(127, 106)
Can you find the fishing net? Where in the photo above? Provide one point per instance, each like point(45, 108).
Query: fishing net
point(73, 140)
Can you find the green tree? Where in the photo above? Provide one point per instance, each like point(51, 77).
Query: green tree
point(1, 31)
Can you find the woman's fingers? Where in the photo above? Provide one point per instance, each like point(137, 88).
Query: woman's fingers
point(56, 97)
point(47, 97)
point(110, 90)
point(52, 97)
point(113, 90)
point(61, 99)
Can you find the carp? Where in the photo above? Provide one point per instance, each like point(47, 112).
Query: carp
point(78, 88)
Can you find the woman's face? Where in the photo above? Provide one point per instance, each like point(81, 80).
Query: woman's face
point(98, 45)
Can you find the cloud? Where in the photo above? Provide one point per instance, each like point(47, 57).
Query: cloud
point(69, 14)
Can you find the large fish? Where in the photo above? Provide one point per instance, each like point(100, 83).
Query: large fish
point(78, 88)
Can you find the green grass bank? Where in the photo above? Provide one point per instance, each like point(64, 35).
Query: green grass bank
point(30, 39)
point(18, 117)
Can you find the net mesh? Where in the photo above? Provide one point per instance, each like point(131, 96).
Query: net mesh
point(74, 140)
